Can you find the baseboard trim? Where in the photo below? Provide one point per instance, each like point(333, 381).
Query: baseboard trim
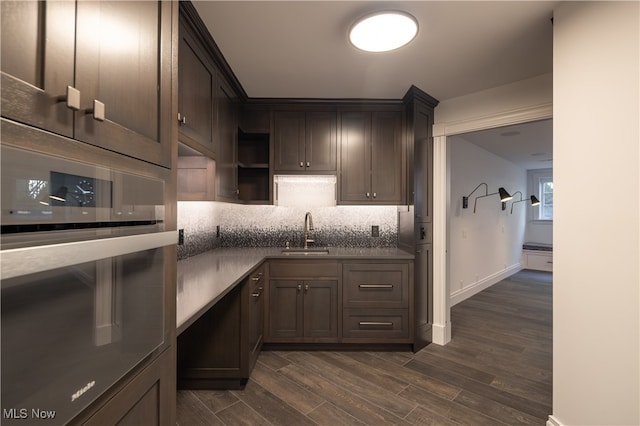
point(441, 334)
point(552, 421)
point(467, 292)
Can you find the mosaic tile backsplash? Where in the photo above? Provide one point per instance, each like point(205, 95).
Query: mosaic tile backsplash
point(274, 226)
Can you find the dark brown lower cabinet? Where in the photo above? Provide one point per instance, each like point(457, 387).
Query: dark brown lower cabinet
point(219, 350)
point(377, 302)
point(303, 302)
point(303, 311)
point(148, 399)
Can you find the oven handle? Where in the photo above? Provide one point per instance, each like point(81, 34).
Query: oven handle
point(29, 260)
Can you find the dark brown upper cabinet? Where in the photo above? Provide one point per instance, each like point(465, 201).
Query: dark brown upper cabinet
point(227, 110)
point(305, 141)
point(99, 72)
point(372, 166)
point(196, 82)
point(419, 108)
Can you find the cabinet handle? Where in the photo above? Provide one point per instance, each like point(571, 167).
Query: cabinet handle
point(97, 110)
point(301, 164)
point(374, 195)
point(72, 98)
point(375, 324)
point(375, 286)
point(306, 288)
point(367, 194)
point(257, 293)
point(299, 287)
point(182, 119)
point(308, 164)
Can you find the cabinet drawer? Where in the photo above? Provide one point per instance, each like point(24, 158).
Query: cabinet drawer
point(539, 261)
point(376, 285)
point(303, 269)
point(376, 323)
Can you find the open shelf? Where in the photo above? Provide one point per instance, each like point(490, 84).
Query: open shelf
point(254, 179)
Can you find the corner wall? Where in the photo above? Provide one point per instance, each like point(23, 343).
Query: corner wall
point(596, 291)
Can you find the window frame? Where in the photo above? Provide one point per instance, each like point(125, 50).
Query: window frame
point(534, 177)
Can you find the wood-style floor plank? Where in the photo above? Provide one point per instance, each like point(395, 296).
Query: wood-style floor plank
point(497, 370)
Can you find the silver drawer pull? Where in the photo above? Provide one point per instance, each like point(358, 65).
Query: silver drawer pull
point(257, 278)
point(375, 286)
point(375, 324)
point(256, 294)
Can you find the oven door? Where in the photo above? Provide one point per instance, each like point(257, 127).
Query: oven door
point(76, 317)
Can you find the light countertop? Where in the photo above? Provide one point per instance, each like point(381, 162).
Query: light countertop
point(206, 278)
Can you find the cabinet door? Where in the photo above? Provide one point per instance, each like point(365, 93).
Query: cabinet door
point(38, 41)
point(289, 140)
point(285, 310)
point(386, 157)
point(226, 123)
point(422, 162)
point(423, 295)
point(196, 80)
point(321, 141)
point(123, 65)
point(355, 157)
point(321, 310)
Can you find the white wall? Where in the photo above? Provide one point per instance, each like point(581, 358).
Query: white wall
point(596, 333)
point(508, 98)
point(537, 232)
point(484, 247)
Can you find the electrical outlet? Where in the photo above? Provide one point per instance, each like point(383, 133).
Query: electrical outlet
point(375, 231)
point(180, 237)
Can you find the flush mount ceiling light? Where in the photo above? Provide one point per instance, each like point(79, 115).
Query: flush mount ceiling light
point(383, 31)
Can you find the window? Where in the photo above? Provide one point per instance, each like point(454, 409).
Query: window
point(541, 185)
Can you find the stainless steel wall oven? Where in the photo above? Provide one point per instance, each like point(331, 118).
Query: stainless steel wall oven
point(83, 286)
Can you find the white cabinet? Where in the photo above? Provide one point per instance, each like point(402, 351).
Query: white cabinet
point(537, 260)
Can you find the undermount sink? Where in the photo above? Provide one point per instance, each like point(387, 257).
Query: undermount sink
point(310, 251)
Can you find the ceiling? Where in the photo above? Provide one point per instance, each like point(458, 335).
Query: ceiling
point(528, 145)
point(300, 49)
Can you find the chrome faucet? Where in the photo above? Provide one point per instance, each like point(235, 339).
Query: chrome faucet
point(308, 226)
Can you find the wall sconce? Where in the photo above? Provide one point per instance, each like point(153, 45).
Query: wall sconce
point(534, 200)
point(504, 196)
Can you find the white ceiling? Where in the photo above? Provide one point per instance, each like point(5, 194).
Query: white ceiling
point(528, 145)
point(300, 49)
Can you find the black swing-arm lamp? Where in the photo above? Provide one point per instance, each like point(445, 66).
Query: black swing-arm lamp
point(504, 196)
point(534, 200)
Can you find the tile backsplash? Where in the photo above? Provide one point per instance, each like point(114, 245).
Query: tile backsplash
point(274, 226)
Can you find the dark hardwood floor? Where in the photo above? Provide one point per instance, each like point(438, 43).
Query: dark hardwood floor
point(496, 370)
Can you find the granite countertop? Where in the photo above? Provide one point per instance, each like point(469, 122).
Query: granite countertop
point(206, 278)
